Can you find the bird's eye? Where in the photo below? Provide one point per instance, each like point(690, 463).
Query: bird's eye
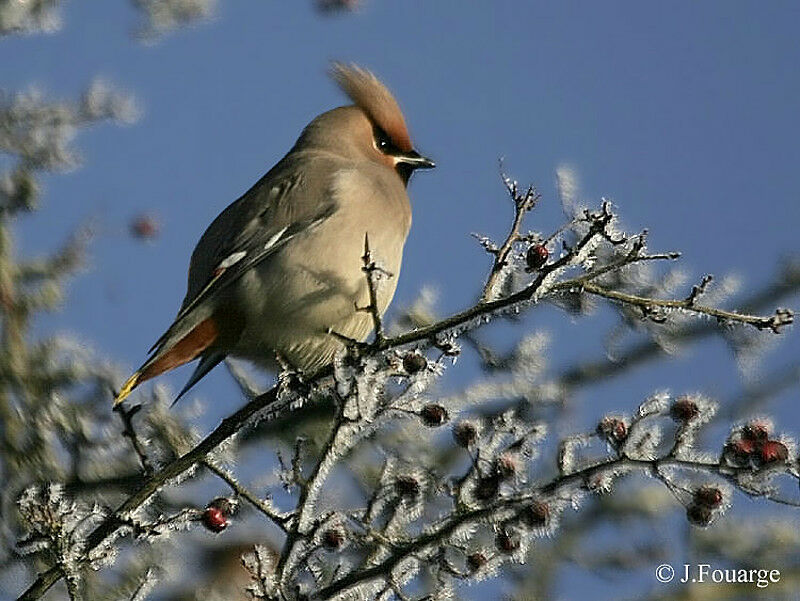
point(382, 141)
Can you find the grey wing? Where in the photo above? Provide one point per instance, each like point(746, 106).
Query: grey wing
point(249, 231)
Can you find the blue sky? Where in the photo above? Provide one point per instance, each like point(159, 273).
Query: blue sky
point(683, 113)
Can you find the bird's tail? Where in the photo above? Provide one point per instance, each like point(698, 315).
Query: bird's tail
point(169, 356)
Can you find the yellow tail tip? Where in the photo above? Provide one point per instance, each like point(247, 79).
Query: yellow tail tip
point(127, 388)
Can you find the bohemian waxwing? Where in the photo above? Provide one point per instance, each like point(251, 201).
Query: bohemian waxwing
point(278, 274)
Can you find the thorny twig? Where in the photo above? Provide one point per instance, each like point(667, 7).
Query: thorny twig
point(786, 283)
point(373, 272)
point(279, 519)
point(648, 306)
point(126, 415)
point(309, 488)
point(523, 202)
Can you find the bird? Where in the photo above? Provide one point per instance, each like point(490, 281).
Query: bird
point(278, 277)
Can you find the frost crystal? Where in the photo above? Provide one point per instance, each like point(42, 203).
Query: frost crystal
point(57, 526)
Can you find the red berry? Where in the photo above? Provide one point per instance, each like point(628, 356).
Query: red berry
point(475, 561)
point(699, 515)
point(407, 486)
point(684, 410)
point(613, 430)
point(742, 449)
point(433, 415)
point(537, 256)
point(506, 541)
point(536, 514)
point(214, 519)
point(216, 514)
point(414, 362)
point(773, 451)
point(506, 466)
point(708, 496)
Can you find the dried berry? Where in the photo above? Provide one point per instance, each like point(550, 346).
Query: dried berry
point(773, 451)
point(333, 539)
point(741, 449)
point(684, 410)
point(507, 466)
point(506, 541)
point(475, 561)
point(407, 487)
point(433, 415)
point(145, 227)
point(699, 515)
point(536, 514)
point(414, 362)
point(217, 513)
point(465, 434)
point(756, 431)
point(486, 487)
point(537, 256)
point(214, 519)
point(613, 430)
point(708, 496)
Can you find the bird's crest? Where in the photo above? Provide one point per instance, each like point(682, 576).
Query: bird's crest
point(372, 97)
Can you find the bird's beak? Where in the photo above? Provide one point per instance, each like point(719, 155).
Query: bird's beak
point(415, 160)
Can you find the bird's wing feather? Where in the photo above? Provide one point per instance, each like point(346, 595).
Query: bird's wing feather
point(249, 231)
point(207, 363)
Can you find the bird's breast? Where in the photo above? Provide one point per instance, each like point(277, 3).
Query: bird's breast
point(316, 282)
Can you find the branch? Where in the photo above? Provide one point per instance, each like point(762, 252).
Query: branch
point(128, 431)
point(781, 317)
point(786, 284)
point(277, 518)
point(523, 202)
point(373, 272)
point(448, 526)
point(307, 485)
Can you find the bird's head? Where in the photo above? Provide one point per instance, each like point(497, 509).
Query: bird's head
point(373, 128)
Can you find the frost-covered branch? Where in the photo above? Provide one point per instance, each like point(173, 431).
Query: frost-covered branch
point(652, 308)
point(373, 273)
point(523, 202)
point(533, 510)
point(126, 415)
point(380, 390)
point(264, 507)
